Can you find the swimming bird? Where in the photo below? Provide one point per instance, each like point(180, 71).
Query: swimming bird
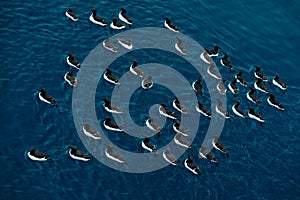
point(127, 44)
point(276, 81)
point(203, 110)
point(178, 128)
point(111, 108)
point(37, 155)
point(90, 132)
point(273, 102)
point(124, 17)
point(109, 45)
point(237, 110)
point(179, 47)
point(70, 79)
point(251, 97)
point(207, 155)
point(147, 83)
point(197, 86)
point(112, 126)
point(110, 77)
point(233, 87)
point(70, 14)
point(256, 116)
point(219, 146)
point(146, 144)
point(135, 70)
point(96, 19)
point(179, 106)
point(192, 166)
point(260, 85)
point(221, 87)
point(211, 70)
point(222, 111)
point(169, 157)
point(116, 25)
point(181, 141)
point(166, 112)
point(169, 25)
point(259, 74)
point(206, 58)
point(153, 125)
point(225, 62)
point(43, 96)
point(113, 155)
point(71, 60)
point(213, 52)
point(241, 79)
point(78, 155)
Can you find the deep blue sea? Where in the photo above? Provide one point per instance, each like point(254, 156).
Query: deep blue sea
point(35, 38)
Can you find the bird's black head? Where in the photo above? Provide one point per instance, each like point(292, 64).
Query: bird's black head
point(123, 10)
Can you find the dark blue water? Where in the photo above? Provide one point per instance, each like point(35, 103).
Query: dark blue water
point(35, 37)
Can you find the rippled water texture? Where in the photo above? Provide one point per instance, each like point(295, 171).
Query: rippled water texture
point(35, 38)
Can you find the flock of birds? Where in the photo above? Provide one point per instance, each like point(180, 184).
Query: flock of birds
point(147, 82)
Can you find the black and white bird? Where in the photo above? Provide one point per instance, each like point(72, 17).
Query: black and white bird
point(225, 62)
point(222, 111)
point(146, 144)
point(213, 52)
point(192, 166)
point(276, 81)
point(166, 112)
point(197, 86)
point(147, 83)
point(111, 154)
point(70, 79)
point(112, 126)
point(109, 45)
point(251, 96)
point(221, 87)
point(260, 85)
point(237, 110)
point(43, 96)
point(117, 25)
point(275, 103)
point(219, 146)
point(206, 58)
point(72, 61)
point(37, 155)
point(239, 77)
point(96, 19)
point(90, 132)
point(211, 70)
point(233, 87)
point(127, 44)
point(203, 110)
point(124, 17)
point(182, 141)
point(179, 47)
point(136, 70)
point(70, 14)
point(78, 155)
point(111, 108)
point(207, 155)
point(178, 128)
point(153, 125)
point(169, 25)
point(259, 74)
point(253, 115)
point(179, 106)
point(108, 76)
point(169, 157)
